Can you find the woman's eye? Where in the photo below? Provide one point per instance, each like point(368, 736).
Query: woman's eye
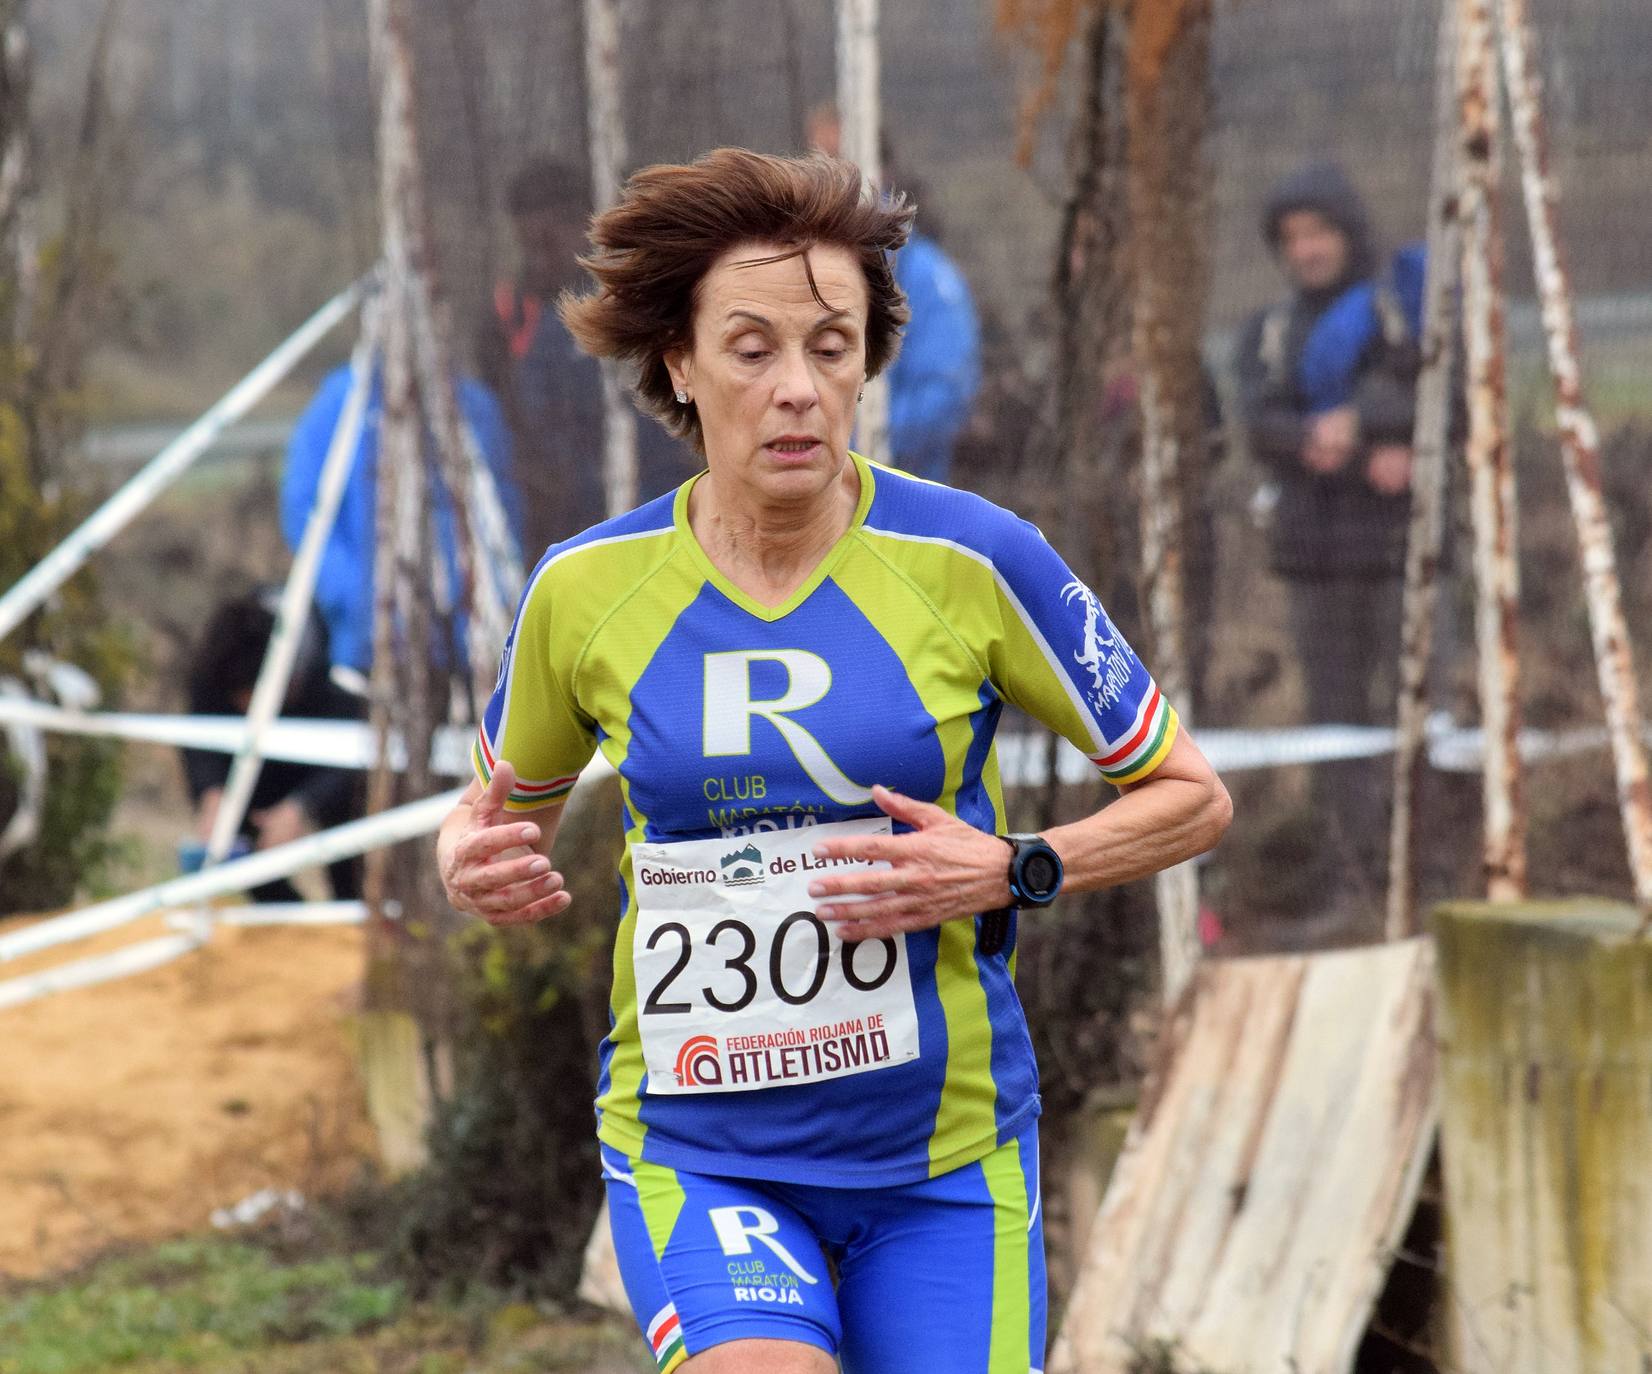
point(752, 355)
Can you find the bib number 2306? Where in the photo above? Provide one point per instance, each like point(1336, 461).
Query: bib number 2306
point(740, 985)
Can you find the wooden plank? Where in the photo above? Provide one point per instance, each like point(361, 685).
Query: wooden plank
point(1271, 1170)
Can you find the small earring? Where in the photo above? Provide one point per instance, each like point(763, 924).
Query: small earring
point(861, 394)
point(682, 398)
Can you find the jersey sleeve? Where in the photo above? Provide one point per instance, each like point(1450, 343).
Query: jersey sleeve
point(1060, 659)
point(532, 720)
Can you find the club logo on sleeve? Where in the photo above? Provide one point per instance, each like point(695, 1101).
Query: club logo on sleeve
point(1105, 656)
point(699, 1065)
point(744, 867)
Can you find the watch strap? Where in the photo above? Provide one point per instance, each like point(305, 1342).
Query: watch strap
point(992, 931)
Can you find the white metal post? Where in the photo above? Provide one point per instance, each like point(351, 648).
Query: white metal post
point(860, 112)
point(270, 691)
point(606, 131)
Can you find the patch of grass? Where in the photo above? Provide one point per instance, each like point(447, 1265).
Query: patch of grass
point(215, 1306)
point(191, 1303)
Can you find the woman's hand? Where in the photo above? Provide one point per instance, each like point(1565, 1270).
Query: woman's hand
point(488, 862)
point(943, 868)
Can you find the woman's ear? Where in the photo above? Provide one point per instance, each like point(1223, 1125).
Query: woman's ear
point(679, 365)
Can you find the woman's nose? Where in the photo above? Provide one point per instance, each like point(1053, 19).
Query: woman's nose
point(796, 385)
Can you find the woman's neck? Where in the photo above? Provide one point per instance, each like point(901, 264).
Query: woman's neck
point(768, 550)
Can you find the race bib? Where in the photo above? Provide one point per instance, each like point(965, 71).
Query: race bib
point(740, 985)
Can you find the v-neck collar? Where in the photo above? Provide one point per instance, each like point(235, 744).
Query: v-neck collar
point(805, 589)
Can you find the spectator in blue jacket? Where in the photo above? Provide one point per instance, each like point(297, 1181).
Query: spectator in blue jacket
point(938, 371)
point(1327, 386)
point(937, 374)
point(344, 585)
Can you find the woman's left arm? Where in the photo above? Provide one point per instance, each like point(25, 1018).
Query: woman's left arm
point(945, 868)
point(1177, 812)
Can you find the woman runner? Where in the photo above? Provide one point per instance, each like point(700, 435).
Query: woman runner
point(817, 1104)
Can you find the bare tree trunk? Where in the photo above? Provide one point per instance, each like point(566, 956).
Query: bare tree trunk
point(62, 338)
point(18, 233)
point(1490, 462)
point(1088, 462)
point(604, 112)
point(1425, 538)
point(1169, 62)
point(858, 101)
point(1580, 449)
point(408, 1014)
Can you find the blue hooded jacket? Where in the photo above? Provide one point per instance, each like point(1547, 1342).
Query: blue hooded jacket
point(344, 585)
point(1339, 344)
point(938, 372)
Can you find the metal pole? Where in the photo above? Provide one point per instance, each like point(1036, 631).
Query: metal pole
point(606, 133)
point(274, 675)
point(342, 842)
point(31, 591)
point(1425, 538)
point(1580, 449)
point(1490, 462)
point(858, 103)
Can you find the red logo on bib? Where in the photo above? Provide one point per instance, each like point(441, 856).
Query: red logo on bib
point(698, 1064)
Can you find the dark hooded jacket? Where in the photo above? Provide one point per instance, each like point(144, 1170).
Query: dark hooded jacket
point(1325, 524)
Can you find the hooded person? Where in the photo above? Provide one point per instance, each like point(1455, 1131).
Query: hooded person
point(1327, 382)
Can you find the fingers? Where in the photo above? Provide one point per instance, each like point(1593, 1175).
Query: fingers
point(875, 919)
point(918, 814)
point(872, 881)
point(495, 877)
point(509, 901)
point(553, 905)
point(490, 806)
point(479, 846)
point(868, 848)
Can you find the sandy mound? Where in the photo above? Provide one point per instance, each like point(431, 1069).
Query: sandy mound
point(130, 1110)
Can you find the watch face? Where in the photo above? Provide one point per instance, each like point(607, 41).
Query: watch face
point(1039, 874)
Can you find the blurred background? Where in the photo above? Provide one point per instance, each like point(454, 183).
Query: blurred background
point(204, 176)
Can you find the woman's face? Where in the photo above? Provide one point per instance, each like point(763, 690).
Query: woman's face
point(774, 373)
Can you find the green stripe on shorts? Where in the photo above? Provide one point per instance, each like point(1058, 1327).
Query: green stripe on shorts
point(1011, 1221)
point(661, 1198)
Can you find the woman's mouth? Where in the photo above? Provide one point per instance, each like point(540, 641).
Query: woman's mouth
point(793, 446)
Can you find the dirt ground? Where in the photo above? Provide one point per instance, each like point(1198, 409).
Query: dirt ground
point(129, 1111)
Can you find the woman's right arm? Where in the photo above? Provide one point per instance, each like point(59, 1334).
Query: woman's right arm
point(495, 864)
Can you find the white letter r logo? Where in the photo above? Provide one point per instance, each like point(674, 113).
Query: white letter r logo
point(735, 1235)
point(729, 709)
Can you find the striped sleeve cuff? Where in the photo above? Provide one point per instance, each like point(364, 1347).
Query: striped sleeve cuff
point(526, 794)
point(1145, 747)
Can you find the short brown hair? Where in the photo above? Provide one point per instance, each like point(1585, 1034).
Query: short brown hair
point(671, 223)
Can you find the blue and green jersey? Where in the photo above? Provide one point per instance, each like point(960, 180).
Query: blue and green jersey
point(890, 664)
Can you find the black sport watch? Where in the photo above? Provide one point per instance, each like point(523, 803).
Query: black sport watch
point(1035, 878)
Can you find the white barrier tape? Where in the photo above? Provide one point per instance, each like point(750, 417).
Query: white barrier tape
point(99, 968)
point(324, 743)
point(292, 914)
point(349, 743)
point(342, 842)
point(57, 567)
